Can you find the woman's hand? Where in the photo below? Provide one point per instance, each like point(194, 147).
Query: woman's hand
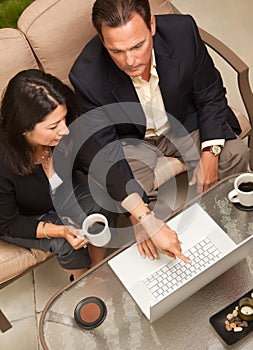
point(75, 238)
point(71, 234)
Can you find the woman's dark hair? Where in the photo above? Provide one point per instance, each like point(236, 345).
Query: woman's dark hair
point(29, 97)
point(116, 13)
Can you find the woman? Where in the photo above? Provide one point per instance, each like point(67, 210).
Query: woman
point(35, 111)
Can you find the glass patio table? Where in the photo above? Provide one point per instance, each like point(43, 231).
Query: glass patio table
point(186, 326)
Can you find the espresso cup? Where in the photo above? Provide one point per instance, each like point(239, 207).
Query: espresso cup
point(96, 230)
point(243, 190)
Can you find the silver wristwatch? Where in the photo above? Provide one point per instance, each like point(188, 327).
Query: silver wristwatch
point(215, 149)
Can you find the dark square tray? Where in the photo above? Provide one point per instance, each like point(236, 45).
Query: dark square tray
point(218, 319)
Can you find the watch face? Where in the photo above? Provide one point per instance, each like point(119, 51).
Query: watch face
point(216, 150)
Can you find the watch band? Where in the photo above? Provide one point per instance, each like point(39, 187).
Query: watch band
point(215, 150)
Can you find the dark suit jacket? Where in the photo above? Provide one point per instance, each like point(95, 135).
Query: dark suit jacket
point(191, 86)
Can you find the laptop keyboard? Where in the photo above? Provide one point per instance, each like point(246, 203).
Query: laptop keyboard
point(168, 278)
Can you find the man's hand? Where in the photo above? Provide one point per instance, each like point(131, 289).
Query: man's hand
point(205, 174)
point(166, 241)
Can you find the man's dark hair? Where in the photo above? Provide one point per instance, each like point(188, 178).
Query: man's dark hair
point(116, 13)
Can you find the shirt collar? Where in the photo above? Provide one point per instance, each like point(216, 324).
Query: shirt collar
point(153, 70)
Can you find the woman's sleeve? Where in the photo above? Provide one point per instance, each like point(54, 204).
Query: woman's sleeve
point(12, 223)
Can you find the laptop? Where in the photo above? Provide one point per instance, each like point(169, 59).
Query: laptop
point(158, 286)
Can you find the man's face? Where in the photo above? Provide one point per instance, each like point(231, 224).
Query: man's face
point(130, 46)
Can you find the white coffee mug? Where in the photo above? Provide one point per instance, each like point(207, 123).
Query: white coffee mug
point(243, 190)
point(101, 238)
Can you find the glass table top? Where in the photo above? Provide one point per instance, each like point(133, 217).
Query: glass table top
point(184, 327)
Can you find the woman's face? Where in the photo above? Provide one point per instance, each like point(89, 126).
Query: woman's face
point(50, 131)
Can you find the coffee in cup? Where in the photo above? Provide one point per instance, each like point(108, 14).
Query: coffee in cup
point(95, 228)
point(243, 190)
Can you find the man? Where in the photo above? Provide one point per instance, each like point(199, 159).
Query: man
point(159, 61)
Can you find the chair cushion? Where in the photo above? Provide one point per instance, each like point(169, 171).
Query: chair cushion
point(68, 29)
point(16, 55)
point(15, 260)
point(159, 7)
